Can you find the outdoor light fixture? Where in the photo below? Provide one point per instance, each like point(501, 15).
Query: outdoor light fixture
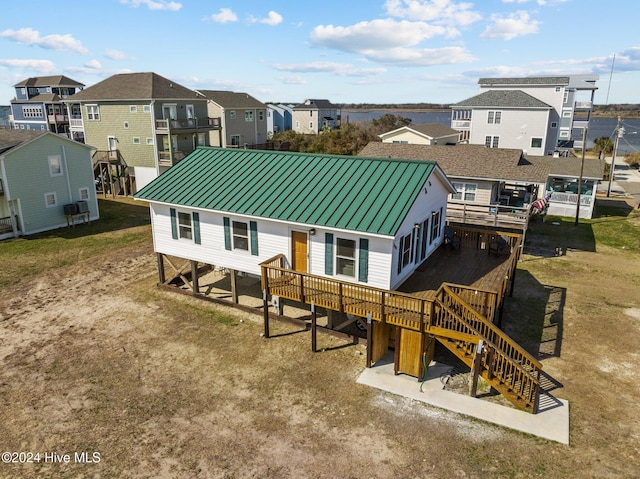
point(312, 231)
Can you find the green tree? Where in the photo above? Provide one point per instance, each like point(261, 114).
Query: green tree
point(603, 146)
point(387, 123)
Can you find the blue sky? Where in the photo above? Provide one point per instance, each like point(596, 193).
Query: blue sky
point(347, 51)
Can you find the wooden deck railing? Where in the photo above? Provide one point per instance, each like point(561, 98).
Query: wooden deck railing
point(5, 225)
point(459, 313)
point(489, 215)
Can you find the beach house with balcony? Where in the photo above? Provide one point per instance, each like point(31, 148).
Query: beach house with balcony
point(40, 105)
point(141, 124)
point(540, 115)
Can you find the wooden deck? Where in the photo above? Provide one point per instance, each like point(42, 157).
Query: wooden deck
point(469, 267)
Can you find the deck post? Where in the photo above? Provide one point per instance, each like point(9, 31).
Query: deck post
point(265, 312)
point(314, 332)
point(396, 352)
point(234, 286)
point(369, 340)
point(475, 369)
point(195, 283)
point(161, 276)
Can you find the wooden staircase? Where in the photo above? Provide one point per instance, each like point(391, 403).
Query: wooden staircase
point(448, 317)
point(505, 365)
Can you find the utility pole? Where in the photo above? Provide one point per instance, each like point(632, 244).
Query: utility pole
point(619, 133)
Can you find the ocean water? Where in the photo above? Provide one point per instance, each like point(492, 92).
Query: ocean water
point(598, 127)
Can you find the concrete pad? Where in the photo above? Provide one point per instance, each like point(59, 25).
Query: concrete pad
point(552, 422)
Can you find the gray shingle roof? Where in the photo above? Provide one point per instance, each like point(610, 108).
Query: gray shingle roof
point(136, 86)
point(11, 138)
point(57, 80)
point(316, 105)
point(542, 80)
point(477, 161)
point(503, 99)
point(230, 99)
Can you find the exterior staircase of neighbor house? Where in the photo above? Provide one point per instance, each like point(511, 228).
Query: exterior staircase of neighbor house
point(449, 317)
point(111, 172)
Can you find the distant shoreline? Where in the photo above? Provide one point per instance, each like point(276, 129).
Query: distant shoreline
point(594, 114)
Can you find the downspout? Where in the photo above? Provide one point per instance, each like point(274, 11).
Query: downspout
point(223, 131)
point(66, 174)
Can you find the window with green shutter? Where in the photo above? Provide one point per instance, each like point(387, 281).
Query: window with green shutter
point(363, 263)
point(253, 233)
point(227, 233)
point(328, 253)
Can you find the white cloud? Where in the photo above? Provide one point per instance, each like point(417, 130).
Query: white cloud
point(445, 12)
point(117, 55)
point(514, 25)
point(273, 19)
point(225, 15)
point(154, 4)
point(44, 67)
point(29, 36)
point(293, 80)
point(539, 2)
point(420, 56)
point(377, 34)
point(92, 67)
point(340, 69)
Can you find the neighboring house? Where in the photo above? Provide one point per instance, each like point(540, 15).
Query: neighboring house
point(40, 173)
point(5, 116)
point(539, 115)
point(244, 119)
point(429, 134)
point(279, 118)
point(141, 123)
point(356, 219)
point(312, 116)
point(500, 180)
point(40, 103)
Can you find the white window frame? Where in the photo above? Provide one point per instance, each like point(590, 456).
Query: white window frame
point(491, 141)
point(465, 191)
point(136, 140)
point(494, 117)
point(311, 125)
point(185, 226)
point(191, 112)
point(133, 108)
point(536, 138)
point(436, 218)
point(248, 115)
point(232, 115)
point(564, 134)
point(149, 141)
point(239, 240)
point(235, 140)
point(53, 196)
point(83, 193)
point(405, 250)
point(261, 115)
point(93, 112)
point(566, 113)
point(146, 108)
point(340, 257)
point(554, 124)
point(55, 165)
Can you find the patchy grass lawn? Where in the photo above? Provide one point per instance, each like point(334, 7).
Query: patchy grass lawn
point(96, 358)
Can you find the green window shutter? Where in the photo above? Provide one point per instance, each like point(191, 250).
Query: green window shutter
point(400, 250)
point(253, 231)
point(196, 228)
point(363, 266)
point(227, 233)
point(328, 253)
point(174, 223)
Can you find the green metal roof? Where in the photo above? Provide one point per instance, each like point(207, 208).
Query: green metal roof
point(354, 193)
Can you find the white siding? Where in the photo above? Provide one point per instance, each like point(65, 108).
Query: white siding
point(516, 129)
point(424, 206)
point(273, 238)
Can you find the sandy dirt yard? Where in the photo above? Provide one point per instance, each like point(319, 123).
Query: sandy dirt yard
point(95, 359)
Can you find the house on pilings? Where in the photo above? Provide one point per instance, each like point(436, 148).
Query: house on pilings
point(344, 234)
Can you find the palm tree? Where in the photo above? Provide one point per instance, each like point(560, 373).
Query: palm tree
point(603, 146)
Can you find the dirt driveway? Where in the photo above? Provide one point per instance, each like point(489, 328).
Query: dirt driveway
point(95, 359)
